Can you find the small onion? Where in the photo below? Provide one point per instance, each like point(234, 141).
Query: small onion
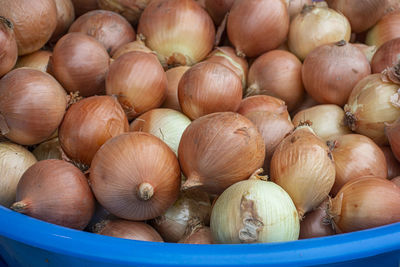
point(327, 121)
point(135, 176)
point(37, 60)
point(218, 150)
point(128, 230)
point(303, 166)
point(129, 9)
point(392, 164)
point(8, 46)
point(264, 103)
point(83, 6)
point(14, 161)
point(183, 36)
point(174, 76)
point(385, 30)
point(80, 63)
point(396, 181)
point(364, 203)
point(207, 88)
point(88, 124)
point(393, 135)
point(315, 223)
point(135, 46)
point(386, 56)
point(65, 17)
point(166, 124)
point(257, 26)
point(295, 7)
point(356, 156)
point(34, 110)
point(57, 192)
point(277, 73)
point(198, 235)
point(139, 82)
point(48, 150)
point(369, 51)
point(34, 22)
point(107, 27)
point(218, 8)
point(316, 26)
point(254, 211)
point(331, 71)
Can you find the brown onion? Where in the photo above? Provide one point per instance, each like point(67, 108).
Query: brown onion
point(174, 76)
point(295, 7)
point(364, 203)
point(331, 71)
point(48, 150)
point(8, 46)
point(315, 223)
point(396, 181)
point(136, 46)
point(218, 150)
point(218, 8)
point(198, 235)
point(35, 108)
point(327, 121)
point(386, 56)
point(129, 9)
point(385, 30)
point(207, 88)
point(356, 156)
point(369, 51)
point(34, 22)
point(257, 26)
point(183, 36)
point(139, 82)
point(264, 103)
point(128, 230)
point(135, 176)
point(88, 124)
point(80, 63)
point(83, 6)
point(65, 17)
point(109, 28)
point(37, 60)
point(57, 192)
point(316, 26)
point(393, 135)
point(277, 73)
point(392, 164)
point(308, 102)
point(303, 166)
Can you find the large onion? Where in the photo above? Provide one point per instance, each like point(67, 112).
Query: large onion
point(8, 46)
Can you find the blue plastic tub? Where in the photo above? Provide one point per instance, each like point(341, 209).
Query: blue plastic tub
point(25, 241)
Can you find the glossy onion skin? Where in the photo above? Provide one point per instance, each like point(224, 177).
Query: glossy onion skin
point(8, 46)
point(174, 76)
point(315, 224)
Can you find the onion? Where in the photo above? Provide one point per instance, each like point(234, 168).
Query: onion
point(308, 102)
point(254, 211)
point(166, 124)
point(14, 161)
point(207, 88)
point(373, 102)
point(369, 51)
point(100, 214)
point(327, 121)
point(295, 7)
point(80, 63)
point(198, 235)
point(183, 36)
point(277, 73)
point(218, 150)
point(315, 223)
point(386, 56)
point(316, 26)
point(34, 110)
point(57, 192)
point(139, 82)
point(218, 8)
point(365, 203)
point(34, 22)
point(356, 156)
point(88, 124)
point(257, 26)
point(128, 230)
point(8, 46)
point(192, 208)
point(129, 9)
point(48, 150)
point(109, 28)
point(174, 76)
point(385, 30)
point(135, 176)
point(135, 46)
point(65, 17)
point(264, 103)
point(331, 71)
point(392, 133)
point(83, 6)
point(303, 166)
point(392, 164)
point(396, 181)
point(37, 60)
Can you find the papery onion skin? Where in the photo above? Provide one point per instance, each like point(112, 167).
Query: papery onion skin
point(138, 46)
point(80, 63)
point(316, 26)
point(65, 17)
point(386, 56)
point(107, 27)
point(57, 192)
point(277, 73)
point(327, 121)
point(145, 182)
point(218, 8)
point(392, 133)
point(304, 167)
point(207, 88)
point(369, 51)
point(129, 9)
point(8, 46)
point(257, 26)
point(172, 34)
point(83, 6)
point(48, 150)
point(34, 22)
point(263, 103)
point(365, 203)
point(30, 120)
point(88, 124)
point(200, 235)
point(331, 71)
point(174, 76)
point(385, 30)
point(14, 161)
point(139, 82)
point(356, 156)
point(37, 60)
point(295, 7)
point(315, 223)
point(392, 164)
point(218, 150)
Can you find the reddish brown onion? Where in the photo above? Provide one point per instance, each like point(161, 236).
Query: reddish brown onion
point(129, 9)
point(65, 17)
point(218, 8)
point(37, 60)
point(263, 103)
point(386, 56)
point(315, 224)
point(174, 75)
point(8, 46)
point(83, 6)
point(392, 164)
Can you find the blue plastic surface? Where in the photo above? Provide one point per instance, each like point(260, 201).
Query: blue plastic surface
point(25, 241)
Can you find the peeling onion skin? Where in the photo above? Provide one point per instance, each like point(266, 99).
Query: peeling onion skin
point(129, 9)
point(386, 56)
point(65, 17)
point(315, 223)
point(37, 60)
point(8, 46)
point(50, 149)
point(385, 30)
point(392, 164)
